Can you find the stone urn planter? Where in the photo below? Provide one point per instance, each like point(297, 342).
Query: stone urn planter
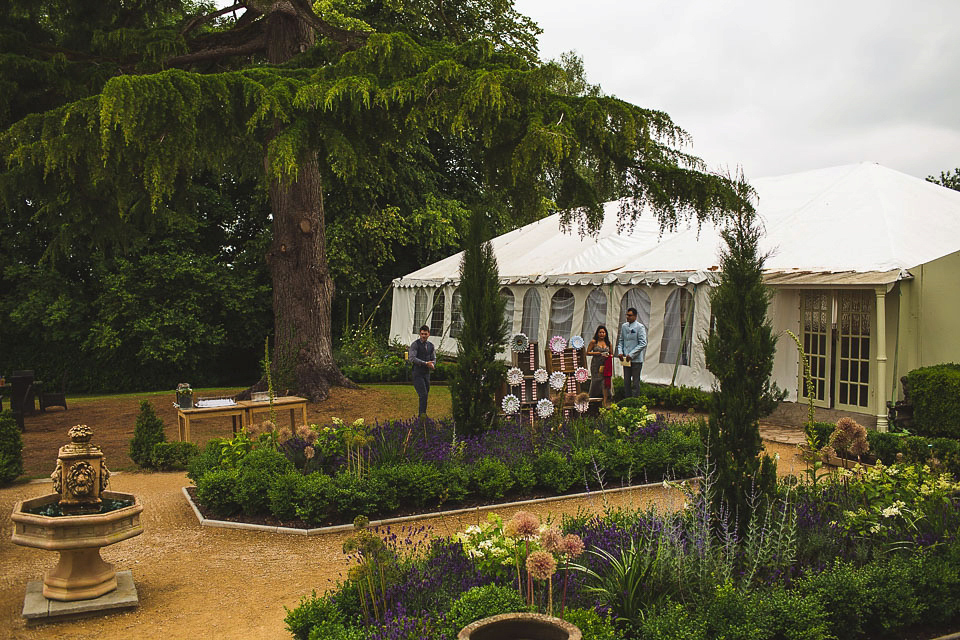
point(80, 526)
point(520, 626)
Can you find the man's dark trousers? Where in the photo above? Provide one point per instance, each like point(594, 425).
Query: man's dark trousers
point(631, 379)
point(421, 382)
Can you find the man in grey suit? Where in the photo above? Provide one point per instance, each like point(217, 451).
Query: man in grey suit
point(631, 346)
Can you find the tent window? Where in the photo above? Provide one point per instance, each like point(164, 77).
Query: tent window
point(677, 328)
point(507, 296)
point(456, 315)
point(594, 314)
point(436, 314)
point(420, 310)
point(530, 322)
point(561, 313)
point(639, 300)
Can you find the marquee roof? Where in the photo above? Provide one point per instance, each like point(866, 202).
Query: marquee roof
point(858, 224)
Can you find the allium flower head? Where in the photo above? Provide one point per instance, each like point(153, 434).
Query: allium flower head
point(309, 452)
point(541, 565)
point(523, 524)
point(550, 539)
point(571, 545)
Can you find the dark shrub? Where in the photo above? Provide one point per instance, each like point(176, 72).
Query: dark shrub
point(11, 448)
point(360, 496)
point(217, 490)
point(456, 481)
point(147, 433)
point(311, 612)
point(524, 476)
point(256, 473)
point(418, 483)
point(554, 471)
point(591, 624)
point(207, 460)
point(491, 478)
point(173, 456)
point(283, 492)
point(482, 602)
point(935, 394)
point(313, 497)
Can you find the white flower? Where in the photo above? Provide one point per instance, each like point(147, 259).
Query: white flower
point(519, 343)
point(576, 342)
point(510, 404)
point(557, 344)
point(581, 374)
point(473, 529)
point(544, 408)
point(540, 375)
point(514, 376)
point(875, 528)
point(557, 380)
point(889, 512)
point(582, 407)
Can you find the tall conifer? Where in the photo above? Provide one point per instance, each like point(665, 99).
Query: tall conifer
point(479, 373)
point(740, 354)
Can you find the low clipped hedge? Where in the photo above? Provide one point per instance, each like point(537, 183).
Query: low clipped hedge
point(264, 482)
point(393, 369)
point(173, 456)
point(935, 394)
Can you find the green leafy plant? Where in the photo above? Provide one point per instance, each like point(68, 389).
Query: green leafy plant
point(217, 489)
point(491, 477)
point(146, 434)
point(257, 472)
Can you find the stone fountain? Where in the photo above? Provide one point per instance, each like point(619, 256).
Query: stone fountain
point(77, 520)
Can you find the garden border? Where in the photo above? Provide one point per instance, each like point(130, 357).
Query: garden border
point(340, 528)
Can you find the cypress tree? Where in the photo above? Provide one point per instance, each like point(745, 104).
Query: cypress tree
point(479, 373)
point(739, 353)
point(147, 432)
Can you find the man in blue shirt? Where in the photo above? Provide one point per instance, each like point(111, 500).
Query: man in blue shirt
point(631, 346)
point(423, 357)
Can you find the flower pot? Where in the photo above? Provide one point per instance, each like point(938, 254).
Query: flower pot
point(185, 400)
point(520, 626)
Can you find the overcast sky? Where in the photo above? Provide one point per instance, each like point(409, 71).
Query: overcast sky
point(778, 86)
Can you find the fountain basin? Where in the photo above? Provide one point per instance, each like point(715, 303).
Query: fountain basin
point(80, 573)
point(520, 626)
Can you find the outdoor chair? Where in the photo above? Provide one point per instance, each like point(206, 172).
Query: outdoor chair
point(54, 398)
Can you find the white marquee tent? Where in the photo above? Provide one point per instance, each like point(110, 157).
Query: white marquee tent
point(847, 248)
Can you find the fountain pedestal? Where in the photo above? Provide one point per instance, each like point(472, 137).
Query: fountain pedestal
point(79, 479)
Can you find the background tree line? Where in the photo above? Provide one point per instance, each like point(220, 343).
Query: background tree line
point(172, 171)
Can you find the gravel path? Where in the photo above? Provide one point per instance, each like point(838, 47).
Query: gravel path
point(197, 582)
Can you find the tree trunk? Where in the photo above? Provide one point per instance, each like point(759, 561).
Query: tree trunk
point(302, 285)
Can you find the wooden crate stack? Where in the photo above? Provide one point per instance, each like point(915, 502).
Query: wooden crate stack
point(568, 361)
point(530, 391)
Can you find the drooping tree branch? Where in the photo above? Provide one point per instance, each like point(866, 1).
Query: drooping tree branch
point(214, 53)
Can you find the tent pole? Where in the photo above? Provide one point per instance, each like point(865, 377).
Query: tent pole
point(367, 321)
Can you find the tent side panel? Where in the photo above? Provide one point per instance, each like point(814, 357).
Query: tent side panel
point(784, 314)
point(401, 315)
point(939, 308)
